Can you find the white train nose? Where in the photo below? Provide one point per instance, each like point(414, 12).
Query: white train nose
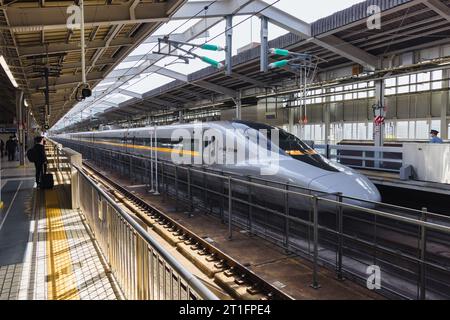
point(351, 185)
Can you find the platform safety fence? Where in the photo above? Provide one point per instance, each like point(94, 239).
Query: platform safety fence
point(143, 268)
point(397, 251)
point(388, 159)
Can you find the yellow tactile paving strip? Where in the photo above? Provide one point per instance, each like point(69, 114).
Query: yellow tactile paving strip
point(62, 282)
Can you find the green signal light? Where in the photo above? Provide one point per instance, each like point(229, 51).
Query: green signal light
point(211, 47)
point(212, 62)
point(279, 64)
point(279, 52)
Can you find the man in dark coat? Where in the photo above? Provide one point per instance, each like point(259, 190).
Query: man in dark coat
point(40, 158)
point(11, 148)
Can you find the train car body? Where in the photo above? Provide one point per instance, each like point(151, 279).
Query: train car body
point(286, 159)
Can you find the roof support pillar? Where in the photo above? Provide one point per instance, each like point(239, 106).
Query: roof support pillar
point(238, 104)
point(229, 44)
point(444, 106)
point(379, 112)
point(264, 44)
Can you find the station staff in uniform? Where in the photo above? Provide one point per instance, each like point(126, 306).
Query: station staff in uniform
point(434, 137)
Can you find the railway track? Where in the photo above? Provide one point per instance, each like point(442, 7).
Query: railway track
point(400, 259)
point(237, 280)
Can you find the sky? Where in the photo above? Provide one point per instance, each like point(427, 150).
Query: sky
point(246, 30)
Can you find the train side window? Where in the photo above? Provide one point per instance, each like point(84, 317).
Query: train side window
point(209, 141)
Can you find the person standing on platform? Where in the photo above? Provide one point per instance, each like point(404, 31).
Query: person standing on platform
point(2, 147)
point(434, 137)
point(11, 148)
point(40, 159)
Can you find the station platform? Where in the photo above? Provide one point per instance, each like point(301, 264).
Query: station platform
point(393, 180)
point(46, 250)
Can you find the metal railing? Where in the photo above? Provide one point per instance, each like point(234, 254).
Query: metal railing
point(329, 229)
point(143, 268)
point(364, 157)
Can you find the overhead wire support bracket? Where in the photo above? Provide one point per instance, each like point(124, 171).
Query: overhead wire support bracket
point(177, 45)
point(304, 65)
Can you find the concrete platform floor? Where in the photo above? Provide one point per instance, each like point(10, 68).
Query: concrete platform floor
point(45, 249)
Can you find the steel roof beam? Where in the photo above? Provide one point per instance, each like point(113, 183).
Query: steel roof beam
point(54, 18)
point(347, 50)
point(146, 68)
point(438, 7)
point(63, 47)
point(161, 102)
point(216, 88)
point(130, 93)
point(255, 82)
point(109, 103)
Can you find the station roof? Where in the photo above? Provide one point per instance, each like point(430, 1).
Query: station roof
point(340, 39)
point(35, 35)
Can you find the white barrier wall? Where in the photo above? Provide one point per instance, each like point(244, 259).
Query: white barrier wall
point(431, 162)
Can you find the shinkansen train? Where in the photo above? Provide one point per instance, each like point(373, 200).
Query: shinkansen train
point(241, 147)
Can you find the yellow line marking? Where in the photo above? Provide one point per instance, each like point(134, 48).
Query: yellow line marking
point(61, 280)
point(132, 146)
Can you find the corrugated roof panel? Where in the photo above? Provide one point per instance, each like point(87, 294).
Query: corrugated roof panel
point(352, 14)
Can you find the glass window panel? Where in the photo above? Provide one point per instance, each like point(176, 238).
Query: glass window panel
point(370, 131)
point(403, 80)
point(436, 85)
point(435, 125)
point(388, 91)
point(362, 95)
point(412, 130)
point(413, 78)
point(423, 77)
point(307, 131)
point(437, 75)
point(347, 131)
point(404, 89)
point(318, 132)
point(423, 87)
point(390, 82)
point(402, 130)
point(422, 129)
point(362, 131)
point(362, 85)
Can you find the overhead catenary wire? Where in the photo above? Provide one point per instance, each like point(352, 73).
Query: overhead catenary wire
point(162, 67)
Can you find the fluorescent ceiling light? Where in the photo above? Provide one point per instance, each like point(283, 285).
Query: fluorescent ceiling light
point(8, 72)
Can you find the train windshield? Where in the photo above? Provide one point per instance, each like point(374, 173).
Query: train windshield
point(294, 147)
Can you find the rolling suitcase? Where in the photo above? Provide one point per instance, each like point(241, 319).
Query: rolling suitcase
point(47, 181)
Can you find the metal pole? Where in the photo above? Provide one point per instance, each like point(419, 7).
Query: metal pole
point(264, 44)
point(229, 43)
point(189, 192)
point(250, 207)
point(230, 209)
point(340, 238)
point(423, 248)
point(315, 283)
point(83, 58)
point(176, 187)
point(156, 164)
point(152, 189)
point(286, 213)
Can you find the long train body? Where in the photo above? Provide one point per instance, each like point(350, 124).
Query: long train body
point(296, 163)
